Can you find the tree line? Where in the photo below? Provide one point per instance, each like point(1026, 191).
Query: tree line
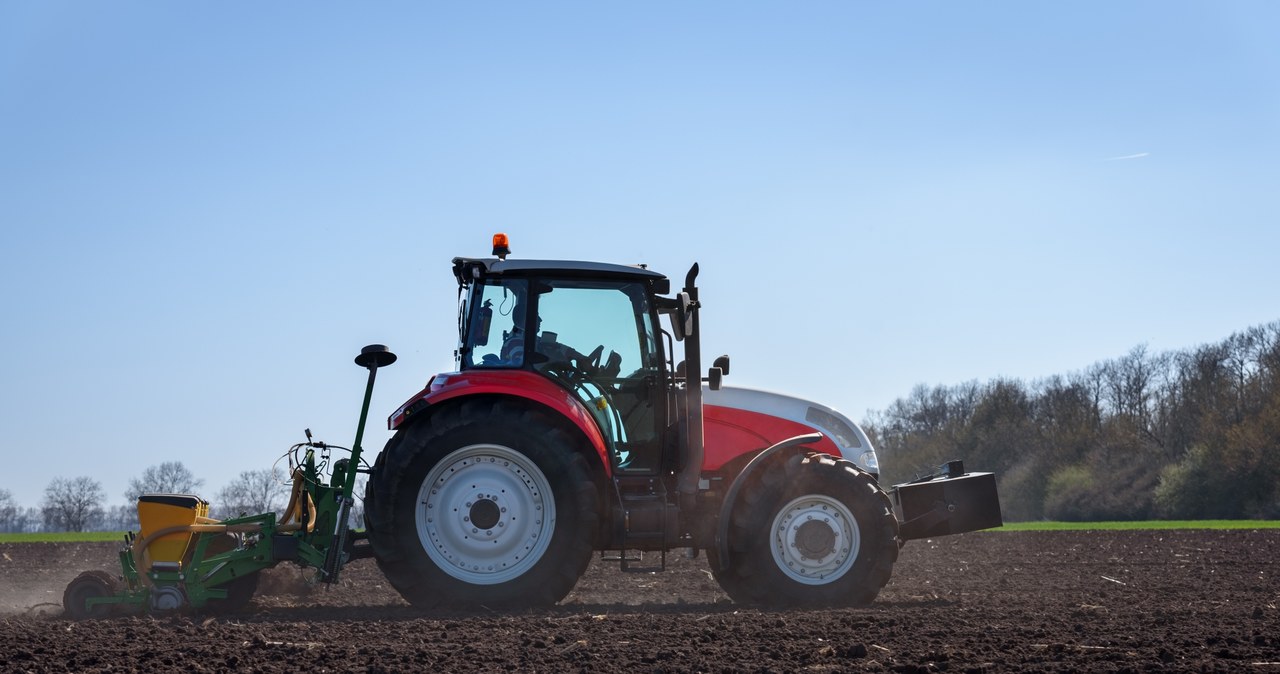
point(79, 503)
point(1183, 435)
point(1180, 435)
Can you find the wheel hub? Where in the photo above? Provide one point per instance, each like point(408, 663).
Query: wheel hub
point(485, 513)
point(167, 598)
point(815, 539)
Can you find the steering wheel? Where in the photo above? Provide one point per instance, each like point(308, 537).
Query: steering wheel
point(590, 363)
point(586, 388)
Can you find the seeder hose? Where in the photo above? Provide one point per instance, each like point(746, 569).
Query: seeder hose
point(294, 509)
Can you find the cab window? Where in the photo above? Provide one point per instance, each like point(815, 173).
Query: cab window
point(495, 335)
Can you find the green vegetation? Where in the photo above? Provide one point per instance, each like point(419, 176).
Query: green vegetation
point(1146, 524)
point(1188, 435)
point(63, 537)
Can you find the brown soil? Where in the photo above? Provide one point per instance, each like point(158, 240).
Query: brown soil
point(984, 602)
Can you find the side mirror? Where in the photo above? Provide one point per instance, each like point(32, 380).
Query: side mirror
point(715, 378)
point(685, 318)
point(722, 364)
point(682, 320)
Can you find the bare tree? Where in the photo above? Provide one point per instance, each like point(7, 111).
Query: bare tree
point(72, 505)
point(170, 477)
point(120, 518)
point(8, 510)
point(1131, 384)
point(253, 492)
point(28, 521)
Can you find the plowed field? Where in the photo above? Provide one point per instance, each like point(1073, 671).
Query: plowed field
point(984, 602)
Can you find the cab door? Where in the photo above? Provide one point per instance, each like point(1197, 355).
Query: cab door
point(598, 339)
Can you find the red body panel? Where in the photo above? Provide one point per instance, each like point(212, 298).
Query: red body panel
point(729, 433)
point(513, 383)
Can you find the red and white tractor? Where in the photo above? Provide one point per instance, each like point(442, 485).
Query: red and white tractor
point(572, 425)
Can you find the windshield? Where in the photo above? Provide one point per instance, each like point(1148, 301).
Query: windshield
point(595, 318)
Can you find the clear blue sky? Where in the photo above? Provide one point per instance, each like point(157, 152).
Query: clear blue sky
point(206, 209)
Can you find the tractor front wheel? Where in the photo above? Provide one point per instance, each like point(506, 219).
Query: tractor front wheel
point(485, 504)
point(816, 532)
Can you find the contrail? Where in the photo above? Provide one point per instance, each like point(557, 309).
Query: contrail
point(1140, 155)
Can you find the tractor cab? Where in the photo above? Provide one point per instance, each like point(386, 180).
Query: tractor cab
point(592, 328)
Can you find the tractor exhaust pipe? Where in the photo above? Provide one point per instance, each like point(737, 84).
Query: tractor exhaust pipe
point(691, 472)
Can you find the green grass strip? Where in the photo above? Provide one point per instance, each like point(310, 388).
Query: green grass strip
point(1144, 525)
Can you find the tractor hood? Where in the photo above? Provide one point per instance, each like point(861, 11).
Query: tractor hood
point(744, 416)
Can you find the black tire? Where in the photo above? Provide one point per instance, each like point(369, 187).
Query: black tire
point(240, 592)
point(814, 532)
point(488, 466)
point(86, 586)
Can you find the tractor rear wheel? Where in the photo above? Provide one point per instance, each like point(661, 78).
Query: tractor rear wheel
point(86, 586)
point(818, 532)
point(488, 503)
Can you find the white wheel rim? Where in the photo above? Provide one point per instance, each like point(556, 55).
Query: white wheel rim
point(485, 514)
point(815, 539)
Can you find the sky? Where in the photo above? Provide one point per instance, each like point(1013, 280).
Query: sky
point(206, 209)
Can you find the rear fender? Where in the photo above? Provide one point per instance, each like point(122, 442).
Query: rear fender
point(521, 384)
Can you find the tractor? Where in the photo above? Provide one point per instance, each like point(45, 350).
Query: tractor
point(569, 426)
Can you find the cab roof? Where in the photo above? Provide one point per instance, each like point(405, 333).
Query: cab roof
point(467, 268)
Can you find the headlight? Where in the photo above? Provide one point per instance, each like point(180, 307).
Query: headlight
point(844, 436)
point(871, 462)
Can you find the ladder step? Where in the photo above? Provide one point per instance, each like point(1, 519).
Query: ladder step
point(621, 556)
point(634, 562)
point(627, 567)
